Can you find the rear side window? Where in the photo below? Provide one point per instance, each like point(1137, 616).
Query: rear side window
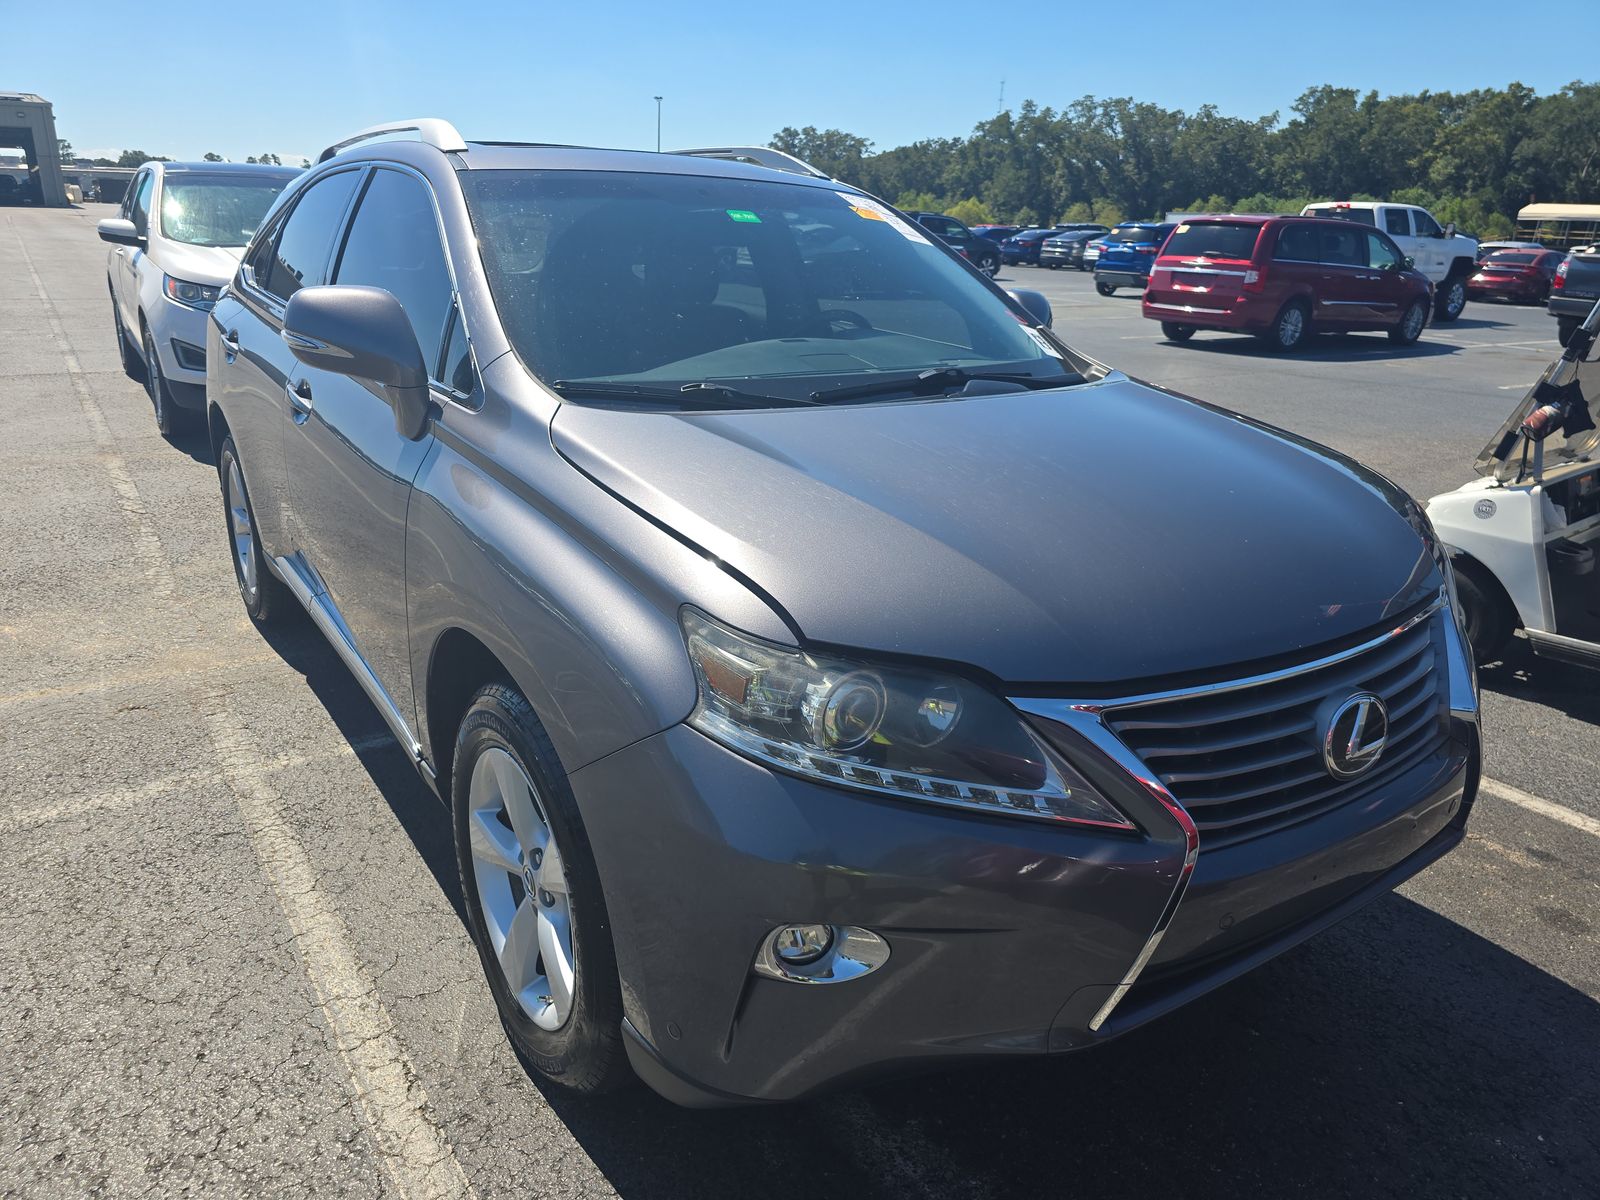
point(1361, 216)
point(1396, 223)
point(1214, 239)
point(1342, 247)
point(1298, 243)
point(394, 244)
point(300, 258)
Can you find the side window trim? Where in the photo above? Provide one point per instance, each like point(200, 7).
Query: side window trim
point(470, 401)
point(256, 289)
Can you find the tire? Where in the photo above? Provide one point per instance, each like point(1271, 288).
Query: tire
point(1452, 298)
point(1565, 328)
point(1105, 289)
point(1411, 324)
point(1175, 332)
point(132, 367)
point(1489, 617)
point(1289, 328)
point(170, 419)
point(265, 596)
point(506, 770)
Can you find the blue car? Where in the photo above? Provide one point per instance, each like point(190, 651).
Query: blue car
point(1128, 252)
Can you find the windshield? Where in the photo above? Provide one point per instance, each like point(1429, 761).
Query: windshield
point(216, 211)
point(673, 279)
point(1213, 239)
point(1573, 437)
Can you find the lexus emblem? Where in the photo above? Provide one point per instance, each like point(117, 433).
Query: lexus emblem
point(1357, 733)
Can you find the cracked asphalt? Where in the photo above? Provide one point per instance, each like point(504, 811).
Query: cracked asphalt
point(232, 960)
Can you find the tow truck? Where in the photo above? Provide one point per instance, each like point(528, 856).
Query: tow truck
point(1523, 537)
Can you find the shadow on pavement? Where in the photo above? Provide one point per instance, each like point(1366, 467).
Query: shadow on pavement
point(1321, 348)
point(1398, 1055)
point(1523, 675)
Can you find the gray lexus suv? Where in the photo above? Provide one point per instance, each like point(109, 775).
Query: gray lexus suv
point(827, 669)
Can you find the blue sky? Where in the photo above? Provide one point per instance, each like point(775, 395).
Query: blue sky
point(291, 76)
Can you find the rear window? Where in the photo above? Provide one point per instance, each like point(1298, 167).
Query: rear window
point(1135, 233)
point(1213, 239)
point(1361, 216)
point(1508, 258)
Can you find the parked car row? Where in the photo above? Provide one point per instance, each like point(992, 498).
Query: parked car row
point(762, 738)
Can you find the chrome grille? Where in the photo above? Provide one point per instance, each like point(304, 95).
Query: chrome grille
point(1247, 760)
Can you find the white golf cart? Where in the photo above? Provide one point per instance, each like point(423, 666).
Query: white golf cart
point(1524, 538)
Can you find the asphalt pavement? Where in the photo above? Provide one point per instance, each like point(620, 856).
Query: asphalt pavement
point(233, 961)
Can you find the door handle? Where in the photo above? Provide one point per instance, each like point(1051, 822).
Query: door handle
point(300, 401)
point(230, 345)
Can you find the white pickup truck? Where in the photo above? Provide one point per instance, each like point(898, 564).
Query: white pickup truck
point(1446, 257)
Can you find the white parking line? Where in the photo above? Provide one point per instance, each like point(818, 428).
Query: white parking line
point(413, 1150)
point(1545, 808)
point(146, 543)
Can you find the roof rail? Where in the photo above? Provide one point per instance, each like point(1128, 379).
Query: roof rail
point(761, 156)
point(439, 134)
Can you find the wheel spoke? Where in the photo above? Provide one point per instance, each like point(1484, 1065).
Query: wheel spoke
point(552, 873)
point(493, 845)
point(519, 956)
point(517, 796)
point(555, 946)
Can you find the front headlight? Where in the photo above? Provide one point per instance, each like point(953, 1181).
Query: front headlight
point(900, 731)
point(195, 295)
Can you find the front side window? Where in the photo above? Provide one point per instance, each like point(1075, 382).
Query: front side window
point(215, 210)
point(1426, 225)
point(393, 244)
point(300, 257)
point(1396, 223)
point(139, 210)
point(674, 279)
point(1381, 253)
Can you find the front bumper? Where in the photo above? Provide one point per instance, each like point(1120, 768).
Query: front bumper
point(179, 333)
point(1007, 936)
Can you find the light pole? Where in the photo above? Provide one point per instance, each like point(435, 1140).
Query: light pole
point(658, 124)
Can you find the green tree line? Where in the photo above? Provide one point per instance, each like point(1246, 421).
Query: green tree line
point(1473, 157)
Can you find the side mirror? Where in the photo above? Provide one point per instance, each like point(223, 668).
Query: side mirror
point(1408, 262)
point(1449, 230)
point(362, 332)
point(119, 232)
point(1038, 307)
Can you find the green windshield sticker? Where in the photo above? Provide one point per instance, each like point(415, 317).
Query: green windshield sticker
point(745, 215)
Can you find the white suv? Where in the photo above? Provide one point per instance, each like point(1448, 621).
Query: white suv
point(176, 242)
point(1446, 257)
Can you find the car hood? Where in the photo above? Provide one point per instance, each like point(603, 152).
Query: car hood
point(1103, 533)
point(212, 265)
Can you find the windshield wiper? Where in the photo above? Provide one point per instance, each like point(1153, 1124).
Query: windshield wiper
point(933, 381)
point(704, 394)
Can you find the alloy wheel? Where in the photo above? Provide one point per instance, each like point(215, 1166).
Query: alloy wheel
point(522, 888)
point(1455, 299)
point(1415, 316)
point(241, 530)
point(156, 384)
point(1291, 327)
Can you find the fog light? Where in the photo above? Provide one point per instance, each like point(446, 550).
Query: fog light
point(801, 944)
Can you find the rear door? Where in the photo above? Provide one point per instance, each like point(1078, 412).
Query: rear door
point(350, 470)
point(1296, 269)
point(1342, 295)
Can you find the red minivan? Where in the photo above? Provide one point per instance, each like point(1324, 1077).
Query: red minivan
point(1284, 278)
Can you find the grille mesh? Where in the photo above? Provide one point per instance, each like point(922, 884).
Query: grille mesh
point(1247, 761)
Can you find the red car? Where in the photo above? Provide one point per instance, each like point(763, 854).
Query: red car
point(1520, 275)
point(1284, 278)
